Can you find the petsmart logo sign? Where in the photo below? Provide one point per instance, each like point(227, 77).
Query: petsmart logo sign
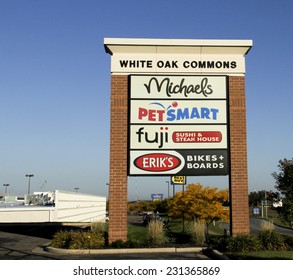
point(181, 111)
point(173, 113)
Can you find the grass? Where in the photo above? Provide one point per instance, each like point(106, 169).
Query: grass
point(136, 233)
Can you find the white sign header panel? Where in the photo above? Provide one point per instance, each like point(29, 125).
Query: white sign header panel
point(168, 63)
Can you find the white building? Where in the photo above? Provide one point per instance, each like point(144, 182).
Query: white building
point(58, 206)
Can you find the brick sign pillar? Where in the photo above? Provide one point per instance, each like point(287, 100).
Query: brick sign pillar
point(118, 160)
point(239, 211)
point(212, 71)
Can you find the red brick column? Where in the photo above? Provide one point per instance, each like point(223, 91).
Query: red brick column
point(238, 155)
point(118, 159)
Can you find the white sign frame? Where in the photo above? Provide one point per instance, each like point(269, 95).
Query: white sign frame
point(199, 105)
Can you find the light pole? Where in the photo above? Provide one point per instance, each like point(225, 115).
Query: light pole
point(6, 185)
point(266, 204)
point(76, 189)
point(173, 190)
point(29, 182)
point(168, 183)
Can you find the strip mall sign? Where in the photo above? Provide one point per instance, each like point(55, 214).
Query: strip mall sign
point(175, 118)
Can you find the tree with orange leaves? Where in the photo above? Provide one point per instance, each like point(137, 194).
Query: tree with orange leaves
point(200, 203)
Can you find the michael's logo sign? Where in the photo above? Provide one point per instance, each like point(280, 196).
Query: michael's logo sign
point(181, 88)
point(177, 87)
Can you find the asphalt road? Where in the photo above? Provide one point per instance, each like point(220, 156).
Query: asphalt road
point(256, 225)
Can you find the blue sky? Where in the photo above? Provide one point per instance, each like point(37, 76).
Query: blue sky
point(55, 85)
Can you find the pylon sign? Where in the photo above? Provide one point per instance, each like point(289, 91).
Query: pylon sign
point(178, 180)
point(178, 125)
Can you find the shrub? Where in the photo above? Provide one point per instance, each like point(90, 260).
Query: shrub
point(155, 233)
point(61, 239)
point(98, 227)
point(288, 241)
point(243, 243)
point(221, 243)
point(86, 240)
point(78, 240)
point(117, 244)
point(198, 232)
point(127, 244)
point(267, 225)
point(271, 240)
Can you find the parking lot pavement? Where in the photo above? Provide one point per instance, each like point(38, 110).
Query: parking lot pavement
point(21, 247)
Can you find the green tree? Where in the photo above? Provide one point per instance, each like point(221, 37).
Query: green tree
point(255, 198)
point(284, 184)
point(160, 205)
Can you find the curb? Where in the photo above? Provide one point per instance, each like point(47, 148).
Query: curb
point(218, 255)
point(123, 250)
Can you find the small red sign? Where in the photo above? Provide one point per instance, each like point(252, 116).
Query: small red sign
point(157, 162)
point(197, 137)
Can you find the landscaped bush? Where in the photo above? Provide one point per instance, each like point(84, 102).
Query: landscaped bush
point(98, 227)
point(267, 225)
point(268, 240)
point(155, 233)
point(125, 244)
point(78, 240)
point(243, 243)
point(271, 240)
point(288, 241)
point(87, 240)
point(220, 243)
point(198, 232)
point(62, 239)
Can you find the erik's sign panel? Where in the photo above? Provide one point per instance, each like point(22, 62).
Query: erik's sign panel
point(178, 125)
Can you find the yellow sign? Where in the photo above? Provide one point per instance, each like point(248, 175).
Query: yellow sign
point(178, 180)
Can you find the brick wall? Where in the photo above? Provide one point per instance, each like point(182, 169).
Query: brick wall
point(238, 155)
point(118, 159)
